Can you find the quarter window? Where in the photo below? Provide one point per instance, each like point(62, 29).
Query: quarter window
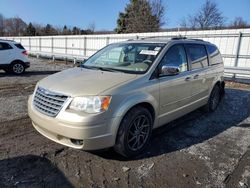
point(198, 55)
point(20, 46)
point(215, 57)
point(4, 46)
point(176, 56)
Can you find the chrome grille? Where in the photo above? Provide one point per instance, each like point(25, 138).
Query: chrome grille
point(47, 102)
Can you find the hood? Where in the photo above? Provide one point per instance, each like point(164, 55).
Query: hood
point(81, 81)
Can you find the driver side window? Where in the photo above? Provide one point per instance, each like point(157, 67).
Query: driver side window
point(175, 56)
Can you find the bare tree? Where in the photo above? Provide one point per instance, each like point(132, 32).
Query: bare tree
point(239, 23)
point(209, 16)
point(158, 10)
point(1, 25)
point(15, 26)
point(91, 26)
point(188, 22)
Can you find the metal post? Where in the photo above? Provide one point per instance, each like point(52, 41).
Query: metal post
point(40, 44)
point(85, 46)
point(107, 40)
point(66, 44)
point(29, 44)
point(52, 45)
point(237, 50)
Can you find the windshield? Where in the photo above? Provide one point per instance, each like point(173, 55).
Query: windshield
point(125, 57)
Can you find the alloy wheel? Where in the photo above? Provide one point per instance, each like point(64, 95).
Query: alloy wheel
point(139, 131)
point(18, 68)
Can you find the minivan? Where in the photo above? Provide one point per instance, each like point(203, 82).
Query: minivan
point(125, 90)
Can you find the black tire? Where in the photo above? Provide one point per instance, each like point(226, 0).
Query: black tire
point(214, 99)
point(17, 68)
point(222, 89)
point(128, 136)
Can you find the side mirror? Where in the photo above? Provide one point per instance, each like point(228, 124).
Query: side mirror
point(169, 70)
point(81, 63)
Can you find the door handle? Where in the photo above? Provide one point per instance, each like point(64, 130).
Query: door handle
point(188, 78)
point(196, 76)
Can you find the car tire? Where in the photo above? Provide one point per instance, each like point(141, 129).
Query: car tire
point(214, 99)
point(134, 132)
point(17, 68)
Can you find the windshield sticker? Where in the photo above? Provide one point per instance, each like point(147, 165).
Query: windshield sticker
point(157, 48)
point(149, 52)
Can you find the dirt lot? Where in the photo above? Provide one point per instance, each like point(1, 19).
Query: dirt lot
point(199, 150)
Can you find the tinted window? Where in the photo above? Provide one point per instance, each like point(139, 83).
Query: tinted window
point(176, 56)
point(20, 46)
point(4, 46)
point(198, 55)
point(215, 57)
point(211, 49)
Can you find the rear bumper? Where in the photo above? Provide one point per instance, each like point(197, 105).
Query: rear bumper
point(26, 65)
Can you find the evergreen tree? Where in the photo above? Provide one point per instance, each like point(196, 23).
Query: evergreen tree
point(30, 30)
point(139, 16)
point(66, 31)
point(76, 31)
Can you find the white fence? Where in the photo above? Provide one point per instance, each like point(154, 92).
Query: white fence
point(234, 44)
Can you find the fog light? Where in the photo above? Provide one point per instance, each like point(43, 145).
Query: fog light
point(77, 142)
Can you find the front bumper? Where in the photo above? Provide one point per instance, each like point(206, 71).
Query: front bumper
point(92, 135)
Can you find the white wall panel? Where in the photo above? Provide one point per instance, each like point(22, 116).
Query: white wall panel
point(86, 45)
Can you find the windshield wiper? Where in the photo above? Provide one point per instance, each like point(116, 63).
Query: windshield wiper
point(100, 68)
point(108, 69)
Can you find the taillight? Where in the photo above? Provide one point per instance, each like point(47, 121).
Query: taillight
point(25, 53)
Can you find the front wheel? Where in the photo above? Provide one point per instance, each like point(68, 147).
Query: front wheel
point(134, 132)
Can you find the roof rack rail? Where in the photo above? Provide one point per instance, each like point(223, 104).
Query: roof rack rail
point(152, 37)
point(178, 38)
point(171, 37)
point(196, 39)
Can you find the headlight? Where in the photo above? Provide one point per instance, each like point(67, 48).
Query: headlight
point(90, 104)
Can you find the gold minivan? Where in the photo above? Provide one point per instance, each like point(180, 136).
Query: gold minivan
point(125, 90)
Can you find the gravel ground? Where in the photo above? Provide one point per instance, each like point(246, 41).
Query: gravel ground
point(198, 150)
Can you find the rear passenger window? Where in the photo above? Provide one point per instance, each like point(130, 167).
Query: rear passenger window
point(4, 46)
point(198, 55)
point(214, 54)
point(20, 46)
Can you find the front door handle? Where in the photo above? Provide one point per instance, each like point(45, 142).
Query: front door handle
point(196, 76)
point(188, 78)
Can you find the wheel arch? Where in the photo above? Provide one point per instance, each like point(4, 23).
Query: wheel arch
point(221, 84)
point(17, 61)
point(120, 145)
point(145, 104)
